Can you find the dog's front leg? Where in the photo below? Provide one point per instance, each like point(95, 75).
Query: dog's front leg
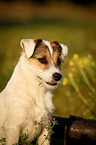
point(12, 136)
point(42, 138)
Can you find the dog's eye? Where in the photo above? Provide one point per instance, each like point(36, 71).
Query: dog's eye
point(58, 61)
point(42, 60)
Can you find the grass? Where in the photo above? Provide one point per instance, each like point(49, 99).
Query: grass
point(82, 78)
point(74, 26)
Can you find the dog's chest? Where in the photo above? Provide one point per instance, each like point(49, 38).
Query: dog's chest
point(39, 107)
point(37, 115)
point(36, 112)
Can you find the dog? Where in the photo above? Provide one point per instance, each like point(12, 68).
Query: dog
point(27, 97)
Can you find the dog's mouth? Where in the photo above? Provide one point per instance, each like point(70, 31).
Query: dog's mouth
point(52, 84)
point(49, 83)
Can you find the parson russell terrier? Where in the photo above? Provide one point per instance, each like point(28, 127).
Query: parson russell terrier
point(27, 97)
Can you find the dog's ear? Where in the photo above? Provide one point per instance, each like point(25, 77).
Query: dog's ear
point(64, 50)
point(28, 45)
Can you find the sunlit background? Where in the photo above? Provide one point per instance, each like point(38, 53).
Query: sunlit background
point(71, 22)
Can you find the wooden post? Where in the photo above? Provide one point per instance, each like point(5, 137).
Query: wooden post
point(74, 131)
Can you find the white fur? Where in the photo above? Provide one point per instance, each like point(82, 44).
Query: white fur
point(28, 45)
point(64, 50)
point(49, 46)
point(26, 99)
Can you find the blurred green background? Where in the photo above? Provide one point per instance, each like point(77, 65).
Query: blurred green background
point(72, 23)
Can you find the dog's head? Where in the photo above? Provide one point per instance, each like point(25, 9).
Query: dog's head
point(45, 60)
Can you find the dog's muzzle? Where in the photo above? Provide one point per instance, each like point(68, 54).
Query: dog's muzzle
point(56, 77)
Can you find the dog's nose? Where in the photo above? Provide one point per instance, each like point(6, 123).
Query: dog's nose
point(57, 76)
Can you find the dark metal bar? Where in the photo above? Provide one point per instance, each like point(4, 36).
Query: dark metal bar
point(74, 131)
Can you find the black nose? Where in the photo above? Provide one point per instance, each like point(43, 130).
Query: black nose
point(57, 76)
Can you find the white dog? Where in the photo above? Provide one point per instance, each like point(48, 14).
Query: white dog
point(27, 97)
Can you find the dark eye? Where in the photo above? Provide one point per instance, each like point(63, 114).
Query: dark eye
point(42, 60)
point(58, 61)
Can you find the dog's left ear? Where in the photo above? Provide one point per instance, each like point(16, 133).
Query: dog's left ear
point(28, 45)
point(64, 50)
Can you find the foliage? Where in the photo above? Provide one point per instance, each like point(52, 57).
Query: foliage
point(82, 77)
point(51, 123)
point(3, 140)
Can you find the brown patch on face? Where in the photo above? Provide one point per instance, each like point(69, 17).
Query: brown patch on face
point(37, 41)
point(57, 52)
point(56, 47)
point(41, 56)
